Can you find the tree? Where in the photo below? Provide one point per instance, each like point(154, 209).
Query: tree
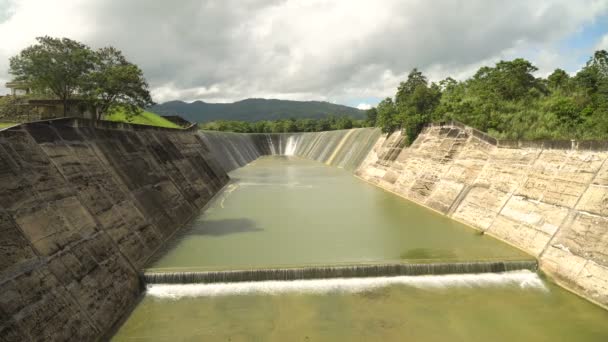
point(371, 115)
point(387, 116)
point(116, 83)
point(54, 64)
point(407, 88)
point(508, 80)
point(558, 80)
point(69, 69)
point(595, 73)
point(415, 102)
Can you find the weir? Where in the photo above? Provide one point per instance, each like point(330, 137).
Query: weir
point(85, 205)
point(344, 148)
point(327, 272)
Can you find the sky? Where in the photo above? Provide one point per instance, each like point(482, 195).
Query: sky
point(351, 52)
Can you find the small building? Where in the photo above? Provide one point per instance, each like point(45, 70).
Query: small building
point(19, 88)
point(33, 107)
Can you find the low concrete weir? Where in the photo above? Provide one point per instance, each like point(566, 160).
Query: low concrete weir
point(326, 272)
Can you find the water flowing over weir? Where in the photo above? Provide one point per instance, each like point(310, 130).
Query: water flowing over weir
point(327, 272)
point(344, 148)
point(523, 279)
point(293, 249)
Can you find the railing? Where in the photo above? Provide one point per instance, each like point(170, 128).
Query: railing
point(592, 145)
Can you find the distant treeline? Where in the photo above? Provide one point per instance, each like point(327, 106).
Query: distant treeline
point(286, 125)
point(507, 101)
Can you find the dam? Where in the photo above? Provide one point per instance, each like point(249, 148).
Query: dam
point(307, 236)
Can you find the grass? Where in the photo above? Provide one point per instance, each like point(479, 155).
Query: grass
point(6, 124)
point(145, 118)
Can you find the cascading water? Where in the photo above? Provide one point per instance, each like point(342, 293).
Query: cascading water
point(326, 272)
point(273, 150)
point(344, 148)
point(523, 279)
point(292, 145)
point(279, 213)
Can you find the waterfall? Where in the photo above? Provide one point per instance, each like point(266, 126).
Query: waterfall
point(524, 279)
point(344, 148)
point(322, 272)
point(292, 144)
point(273, 151)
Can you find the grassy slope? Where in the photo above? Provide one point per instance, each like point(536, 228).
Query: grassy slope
point(145, 118)
point(6, 124)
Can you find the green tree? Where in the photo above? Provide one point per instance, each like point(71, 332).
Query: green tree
point(508, 80)
point(558, 80)
point(416, 102)
point(371, 115)
point(116, 83)
point(55, 65)
point(387, 116)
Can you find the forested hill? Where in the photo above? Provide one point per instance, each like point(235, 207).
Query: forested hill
point(255, 110)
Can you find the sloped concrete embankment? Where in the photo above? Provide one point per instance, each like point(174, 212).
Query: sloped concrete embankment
point(82, 207)
point(343, 148)
point(548, 198)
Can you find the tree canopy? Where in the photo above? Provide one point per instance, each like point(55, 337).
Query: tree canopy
point(508, 101)
point(67, 69)
point(285, 125)
point(55, 65)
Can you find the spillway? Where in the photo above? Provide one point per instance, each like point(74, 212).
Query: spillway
point(344, 149)
point(328, 272)
point(296, 248)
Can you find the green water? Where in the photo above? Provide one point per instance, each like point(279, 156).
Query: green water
point(281, 211)
point(287, 211)
point(393, 313)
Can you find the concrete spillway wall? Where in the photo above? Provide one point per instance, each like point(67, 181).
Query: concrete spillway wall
point(547, 198)
point(82, 207)
point(342, 271)
point(344, 148)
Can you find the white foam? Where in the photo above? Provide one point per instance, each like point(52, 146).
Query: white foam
point(523, 279)
point(288, 185)
point(292, 143)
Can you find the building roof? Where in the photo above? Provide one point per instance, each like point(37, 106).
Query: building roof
point(17, 85)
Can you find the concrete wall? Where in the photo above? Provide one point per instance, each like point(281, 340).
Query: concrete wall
point(343, 148)
point(548, 198)
point(82, 207)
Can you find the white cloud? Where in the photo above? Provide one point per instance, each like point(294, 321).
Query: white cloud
point(603, 43)
point(364, 106)
point(318, 49)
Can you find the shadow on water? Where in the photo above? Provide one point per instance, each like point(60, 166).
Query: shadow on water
point(428, 253)
point(224, 227)
point(212, 228)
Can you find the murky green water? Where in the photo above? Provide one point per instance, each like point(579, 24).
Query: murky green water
point(286, 211)
point(433, 311)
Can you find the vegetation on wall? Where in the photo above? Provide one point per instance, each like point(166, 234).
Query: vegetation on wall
point(286, 125)
point(507, 101)
point(6, 124)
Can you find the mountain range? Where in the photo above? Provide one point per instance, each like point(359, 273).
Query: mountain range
point(254, 110)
